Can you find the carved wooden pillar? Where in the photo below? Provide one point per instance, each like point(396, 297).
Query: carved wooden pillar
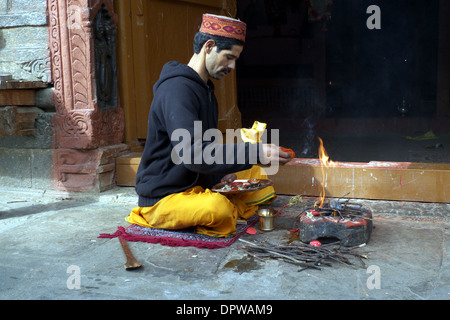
point(89, 122)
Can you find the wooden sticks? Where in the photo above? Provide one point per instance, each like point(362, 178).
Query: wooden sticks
point(303, 255)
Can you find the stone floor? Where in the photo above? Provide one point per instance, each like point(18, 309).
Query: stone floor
point(49, 238)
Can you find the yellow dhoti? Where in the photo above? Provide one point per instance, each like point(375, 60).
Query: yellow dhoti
point(209, 212)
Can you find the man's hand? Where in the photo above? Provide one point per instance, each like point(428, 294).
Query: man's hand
point(272, 153)
point(229, 178)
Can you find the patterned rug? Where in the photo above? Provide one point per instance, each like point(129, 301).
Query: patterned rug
point(179, 238)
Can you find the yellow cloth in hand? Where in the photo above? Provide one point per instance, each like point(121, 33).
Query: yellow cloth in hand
point(254, 134)
point(210, 213)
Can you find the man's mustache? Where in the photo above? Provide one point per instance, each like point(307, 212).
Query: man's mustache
point(226, 70)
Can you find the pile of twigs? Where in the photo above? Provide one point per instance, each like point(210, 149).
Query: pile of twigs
point(304, 255)
point(343, 210)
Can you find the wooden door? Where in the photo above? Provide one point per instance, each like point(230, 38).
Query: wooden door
point(153, 32)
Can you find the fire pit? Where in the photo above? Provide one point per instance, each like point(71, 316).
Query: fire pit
point(350, 223)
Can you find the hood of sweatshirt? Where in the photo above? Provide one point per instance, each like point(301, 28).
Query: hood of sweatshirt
point(175, 69)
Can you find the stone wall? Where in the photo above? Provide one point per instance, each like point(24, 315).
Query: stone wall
point(57, 132)
point(26, 161)
point(24, 51)
point(26, 156)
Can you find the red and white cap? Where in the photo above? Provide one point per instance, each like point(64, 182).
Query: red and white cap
point(223, 26)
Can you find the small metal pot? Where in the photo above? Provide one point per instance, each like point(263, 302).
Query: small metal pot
point(266, 219)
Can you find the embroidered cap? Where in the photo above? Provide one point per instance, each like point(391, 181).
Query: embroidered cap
point(223, 27)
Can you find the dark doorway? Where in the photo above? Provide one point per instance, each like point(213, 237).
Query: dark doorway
point(362, 90)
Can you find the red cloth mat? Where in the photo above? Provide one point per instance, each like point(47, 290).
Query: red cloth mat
point(179, 238)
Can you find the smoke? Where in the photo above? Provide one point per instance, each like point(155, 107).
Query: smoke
point(309, 134)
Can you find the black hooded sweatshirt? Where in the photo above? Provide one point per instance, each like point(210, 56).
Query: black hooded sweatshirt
point(181, 99)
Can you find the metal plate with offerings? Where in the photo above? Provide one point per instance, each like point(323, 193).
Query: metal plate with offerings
point(242, 186)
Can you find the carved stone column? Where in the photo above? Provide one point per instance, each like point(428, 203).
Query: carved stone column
point(89, 122)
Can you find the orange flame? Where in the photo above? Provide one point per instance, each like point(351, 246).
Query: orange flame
point(326, 162)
